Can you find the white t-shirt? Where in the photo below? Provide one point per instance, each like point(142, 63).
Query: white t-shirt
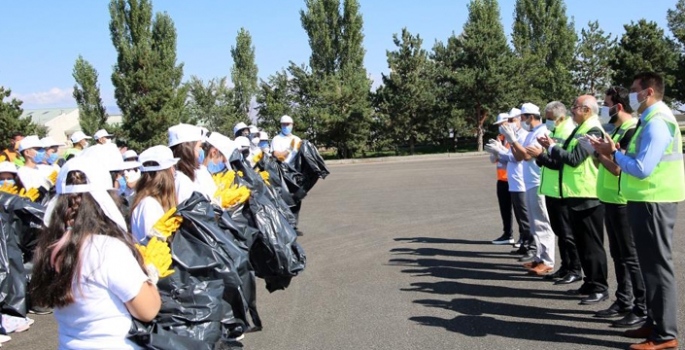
point(184, 187)
point(531, 171)
point(31, 177)
point(98, 319)
point(515, 168)
point(204, 182)
point(282, 143)
point(144, 217)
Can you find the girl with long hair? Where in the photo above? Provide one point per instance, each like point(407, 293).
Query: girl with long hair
point(186, 142)
point(155, 190)
point(86, 266)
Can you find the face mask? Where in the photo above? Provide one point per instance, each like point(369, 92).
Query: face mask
point(52, 158)
point(39, 157)
point(132, 175)
point(263, 144)
point(551, 125)
point(525, 126)
point(122, 182)
point(634, 100)
point(255, 141)
point(201, 157)
point(8, 182)
point(214, 168)
point(287, 130)
point(84, 145)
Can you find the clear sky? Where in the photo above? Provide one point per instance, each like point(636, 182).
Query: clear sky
point(41, 39)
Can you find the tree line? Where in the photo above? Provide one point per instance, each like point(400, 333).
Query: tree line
point(430, 96)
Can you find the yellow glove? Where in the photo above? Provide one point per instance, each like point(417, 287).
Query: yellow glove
point(9, 188)
point(2, 159)
point(265, 177)
point(224, 180)
point(32, 194)
point(158, 254)
point(257, 157)
point(53, 178)
point(232, 196)
point(167, 225)
point(240, 173)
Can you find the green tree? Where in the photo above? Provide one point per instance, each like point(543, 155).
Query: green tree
point(92, 115)
point(644, 47)
point(10, 121)
point(212, 104)
point(333, 93)
point(544, 41)
point(405, 99)
point(592, 71)
point(244, 72)
point(146, 78)
point(676, 22)
point(274, 99)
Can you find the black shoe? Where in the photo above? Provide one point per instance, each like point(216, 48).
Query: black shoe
point(520, 251)
point(553, 276)
point(530, 256)
point(518, 243)
point(504, 239)
point(615, 310)
point(37, 310)
point(569, 278)
point(630, 320)
point(583, 290)
point(594, 298)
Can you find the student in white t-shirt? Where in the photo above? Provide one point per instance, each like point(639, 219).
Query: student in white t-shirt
point(285, 145)
point(155, 191)
point(186, 142)
point(86, 264)
point(31, 175)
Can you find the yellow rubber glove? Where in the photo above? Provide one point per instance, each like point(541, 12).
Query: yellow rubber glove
point(232, 196)
point(32, 194)
point(167, 225)
point(157, 254)
point(53, 178)
point(9, 188)
point(265, 177)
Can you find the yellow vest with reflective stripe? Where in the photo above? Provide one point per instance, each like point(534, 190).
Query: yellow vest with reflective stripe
point(667, 182)
point(580, 181)
point(549, 179)
point(608, 189)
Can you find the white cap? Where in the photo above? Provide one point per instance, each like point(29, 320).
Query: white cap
point(501, 118)
point(529, 108)
point(160, 154)
point(130, 154)
point(204, 131)
point(50, 142)
point(182, 133)
point(7, 167)
point(254, 129)
point(239, 126)
point(98, 183)
point(242, 142)
point(286, 119)
point(78, 136)
point(263, 136)
point(515, 113)
point(102, 133)
point(30, 142)
point(110, 157)
point(225, 145)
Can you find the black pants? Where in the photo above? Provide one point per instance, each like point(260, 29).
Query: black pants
point(296, 211)
point(630, 292)
point(560, 220)
point(588, 230)
point(652, 225)
point(505, 207)
point(518, 200)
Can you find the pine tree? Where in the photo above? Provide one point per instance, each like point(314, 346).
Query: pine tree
point(10, 123)
point(676, 22)
point(213, 104)
point(146, 78)
point(92, 115)
point(592, 71)
point(244, 72)
point(274, 99)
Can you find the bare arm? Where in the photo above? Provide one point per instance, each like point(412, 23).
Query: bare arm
point(145, 306)
point(610, 165)
point(519, 152)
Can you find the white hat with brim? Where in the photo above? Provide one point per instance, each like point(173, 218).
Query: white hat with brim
point(529, 108)
point(515, 113)
point(501, 118)
point(7, 167)
point(101, 133)
point(238, 127)
point(110, 157)
point(222, 143)
point(183, 133)
point(263, 136)
point(162, 155)
point(79, 136)
point(242, 142)
point(30, 142)
point(286, 119)
point(130, 154)
point(50, 142)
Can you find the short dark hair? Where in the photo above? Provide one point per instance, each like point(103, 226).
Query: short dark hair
point(651, 80)
point(619, 95)
point(16, 134)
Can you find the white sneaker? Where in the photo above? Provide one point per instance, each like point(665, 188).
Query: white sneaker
point(13, 324)
point(4, 339)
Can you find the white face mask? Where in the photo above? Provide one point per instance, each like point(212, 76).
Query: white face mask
point(604, 114)
point(634, 100)
point(501, 131)
point(551, 125)
point(525, 126)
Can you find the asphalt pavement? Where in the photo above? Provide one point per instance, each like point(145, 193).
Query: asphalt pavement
point(398, 257)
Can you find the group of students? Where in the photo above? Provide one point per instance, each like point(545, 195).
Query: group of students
point(619, 166)
point(105, 200)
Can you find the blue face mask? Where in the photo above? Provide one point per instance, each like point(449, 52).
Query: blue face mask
point(8, 182)
point(40, 157)
point(201, 158)
point(122, 183)
point(287, 130)
point(263, 144)
point(52, 158)
point(214, 168)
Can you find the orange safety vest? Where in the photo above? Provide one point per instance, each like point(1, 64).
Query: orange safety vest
point(501, 168)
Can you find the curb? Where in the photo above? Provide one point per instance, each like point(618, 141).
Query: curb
point(401, 159)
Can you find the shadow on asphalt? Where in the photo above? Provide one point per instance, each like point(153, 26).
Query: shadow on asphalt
point(475, 315)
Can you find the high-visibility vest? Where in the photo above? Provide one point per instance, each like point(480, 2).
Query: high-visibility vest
point(580, 181)
point(502, 168)
point(549, 178)
point(607, 183)
point(667, 182)
point(71, 151)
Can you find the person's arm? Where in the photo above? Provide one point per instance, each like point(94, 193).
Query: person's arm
point(609, 165)
point(146, 304)
point(656, 138)
point(578, 155)
point(548, 162)
point(519, 151)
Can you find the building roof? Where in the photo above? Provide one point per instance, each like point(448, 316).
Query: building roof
point(44, 115)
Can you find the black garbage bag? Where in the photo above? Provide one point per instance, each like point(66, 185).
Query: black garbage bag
point(27, 221)
point(271, 166)
point(13, 284)
point(310, 163)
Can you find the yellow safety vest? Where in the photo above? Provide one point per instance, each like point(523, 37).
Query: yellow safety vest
point(608, 183)
point(667, 182)
point(549, 178)
point(580, 181)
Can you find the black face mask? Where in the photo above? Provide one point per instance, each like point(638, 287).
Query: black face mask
point(614, 112)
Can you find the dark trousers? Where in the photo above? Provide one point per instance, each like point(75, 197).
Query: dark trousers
point(560, 220)
point(518, 200)
point(630, 292)
point(652, 225)
point(296, 211)
point(505, 207)
point(588, 230)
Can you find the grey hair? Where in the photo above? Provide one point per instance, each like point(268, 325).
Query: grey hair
point(557, 108)
point(591, 102)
